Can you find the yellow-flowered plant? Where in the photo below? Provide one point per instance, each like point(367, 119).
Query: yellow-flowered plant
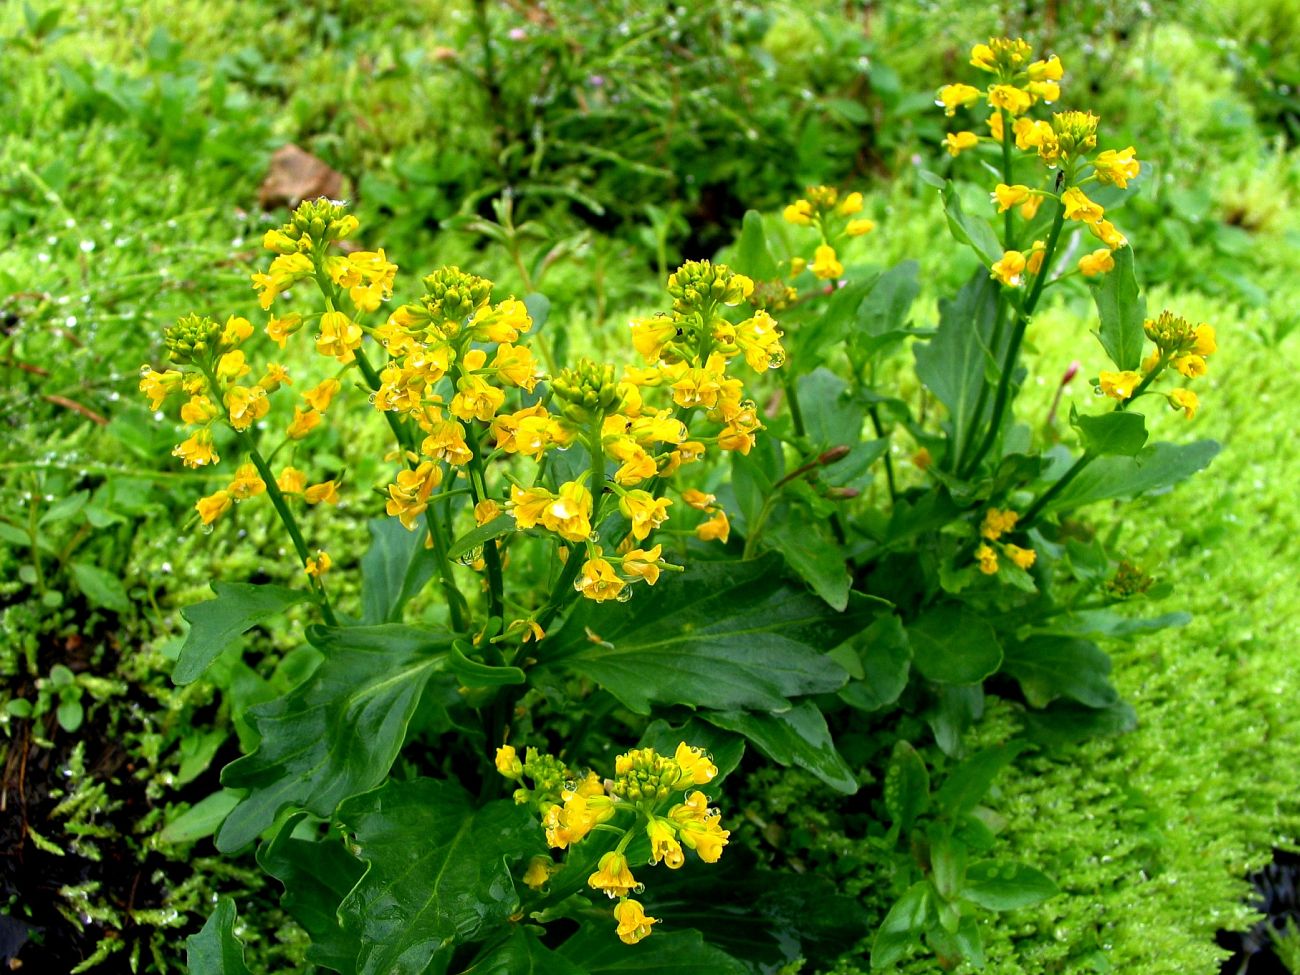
point(835, 218)
point(651, 797)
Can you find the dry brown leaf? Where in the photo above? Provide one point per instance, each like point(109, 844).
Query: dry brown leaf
point(296, 175)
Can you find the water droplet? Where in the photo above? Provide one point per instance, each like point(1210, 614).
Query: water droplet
point(624, 594)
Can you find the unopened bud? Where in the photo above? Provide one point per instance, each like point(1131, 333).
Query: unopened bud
point(1071, 372)
point(834, 455)
point(842, 493)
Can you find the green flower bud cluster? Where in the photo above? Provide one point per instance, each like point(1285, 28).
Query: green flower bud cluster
point(452, 295)
point(318, 221)
point(643, 774)
point(1129, 581)
point(190, 338)
point(1171, 333)
point(550, 778)
point(1076, 132)
point(697, 286)
point(589, 391)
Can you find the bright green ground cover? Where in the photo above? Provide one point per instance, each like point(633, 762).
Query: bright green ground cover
point(124, 191)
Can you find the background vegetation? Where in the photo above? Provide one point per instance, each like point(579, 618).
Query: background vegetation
point(627, 137)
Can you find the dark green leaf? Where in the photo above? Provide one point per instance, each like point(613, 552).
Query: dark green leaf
point(475, 673)
point(886, 309)
point(338, 733)
point(901, 929)
point(965, 943)
point(1049, 667)
point(752, 255)
point(952, 363)
point(1117, 433)
point(795, 737)
point(1156, 467)
point(215, 950)
point(200, 820)
point(815, 557)
point(999, 885)
point(596, 950)
point(952, 645)
point(1065, 723)
point(956, 708)
point(102, 588)
point(478, 537)
point(522, 954)
point(907, 786)
point(971, 230)
point(214, 625)
point(835, 318)
point(885, 658)
point(1121, 310)
point(394, 568)
point(64, 508)
point(316, 876)
point(831, 417)
point(721, 635)
point(439, 871)
point(969, 782)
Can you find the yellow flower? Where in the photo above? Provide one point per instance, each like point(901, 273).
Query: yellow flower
point(1029, 209)
point(569, 514)
point(663, 843)
point(851, 204)
point(825, 265)
point(515, 366)
point(232, 365)
point(859, 228)
point(408, 497)
point(695, 765)
point(318, 564)
point(199, 410)
point(1023, 557)
point(284, 271)
point(279, 329)
point(1008, 196)
point(539, 871)
point(197, 451)
point(504, 323)
point(1010, 269)
point(998, 522)
point(245, 405)
point(645, 511)
point(698, 499)
point(1010, 98)
point(302, 423)
point(507, 762)
point(485, 511)
point(1034, 259)
point(1185, 400)
point(213, 506)
point(326, 492)
point(1117, 167)
point(159, 385)
point(612, 876)
point(643, 564)
point(1119, 385)
point(338, 337)
point(275, 377)
point(1192, 366)
point(953, 97)
point(527, 505)
point(291, 481)
point(633, 924)
point(716, 527)
point(446, 441)
point(1105, 231)
point(247, 483)
point(988, 559)
point(1049, 70)
point(651, 335)
point(1033, 134)
point(1206, 343)
point(598, 581)
point(1079, 207)
point(958, 142)
point(699, 829)
point(799, 213)
point(996, 132)
point(798, 265)
point(320, 395)
point(235, 331)
point(1097, 263)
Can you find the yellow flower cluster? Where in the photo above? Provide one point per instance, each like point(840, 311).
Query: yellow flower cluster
point(651, 795)
point(835, 218)
point(1180, 345)
point(1065, 142)
point(998, 522)
point(216, 390)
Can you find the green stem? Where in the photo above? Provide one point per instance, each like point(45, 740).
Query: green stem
point(1013, 349)
point(1008, 237)
point(491, 551)
point(874, 413)
point(792, 398)
point(457, 608)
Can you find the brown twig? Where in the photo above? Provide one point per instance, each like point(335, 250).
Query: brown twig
point(85, 411)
